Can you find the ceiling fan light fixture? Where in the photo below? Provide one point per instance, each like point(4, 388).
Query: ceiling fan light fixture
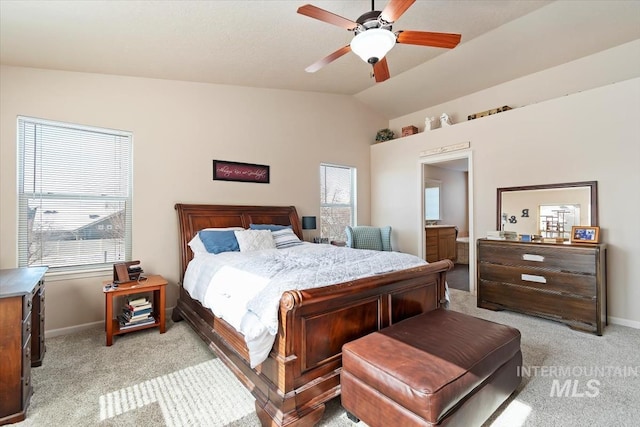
point(373, 44)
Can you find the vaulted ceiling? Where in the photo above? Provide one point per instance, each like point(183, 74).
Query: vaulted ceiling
point(267, 44)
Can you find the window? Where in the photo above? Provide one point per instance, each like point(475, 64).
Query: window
point(337, 200)
point(432, 211)
point(74, 195)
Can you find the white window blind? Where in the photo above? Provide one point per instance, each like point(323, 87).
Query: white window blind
point(74, 195)
point(337, 200)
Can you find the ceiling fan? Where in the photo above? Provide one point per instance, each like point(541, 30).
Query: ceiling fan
point(374, 37)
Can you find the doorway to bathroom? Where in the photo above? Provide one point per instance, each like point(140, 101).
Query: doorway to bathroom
point(447, 206)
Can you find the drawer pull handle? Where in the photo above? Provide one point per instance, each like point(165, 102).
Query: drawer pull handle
point(532, 257)
point(534, 278)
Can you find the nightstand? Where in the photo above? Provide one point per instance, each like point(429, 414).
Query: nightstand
point(153, 283)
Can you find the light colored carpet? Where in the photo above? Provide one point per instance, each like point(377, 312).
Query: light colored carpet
point(172, 379)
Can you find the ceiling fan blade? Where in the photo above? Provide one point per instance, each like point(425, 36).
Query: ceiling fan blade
point(381, 70)
point(328, 59)
point(315, 12)
point(425, 38)
point(395, 8)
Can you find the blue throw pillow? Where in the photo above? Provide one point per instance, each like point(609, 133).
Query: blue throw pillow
point(219, 241)
point(270, 227)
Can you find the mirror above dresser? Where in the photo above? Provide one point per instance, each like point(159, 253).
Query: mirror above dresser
point(549, 210)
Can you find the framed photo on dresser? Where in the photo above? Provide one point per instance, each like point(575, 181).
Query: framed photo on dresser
point(585, 234)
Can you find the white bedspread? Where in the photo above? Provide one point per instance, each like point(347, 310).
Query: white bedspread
point(244, 288)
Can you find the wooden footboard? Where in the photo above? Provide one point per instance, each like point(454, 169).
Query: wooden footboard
point(302, 371)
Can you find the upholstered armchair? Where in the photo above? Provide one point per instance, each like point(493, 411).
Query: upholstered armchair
point(366, 237)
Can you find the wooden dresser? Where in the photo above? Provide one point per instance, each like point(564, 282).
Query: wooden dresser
point(563, 282)
point(21, 338)
point(440, 242)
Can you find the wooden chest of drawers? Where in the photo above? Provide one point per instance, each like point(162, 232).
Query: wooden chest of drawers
point(561, 282)
point(21, 338)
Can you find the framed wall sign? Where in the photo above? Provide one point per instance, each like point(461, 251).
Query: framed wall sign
point(242, 172)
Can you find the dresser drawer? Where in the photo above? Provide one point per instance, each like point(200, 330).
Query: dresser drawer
point(540, 303)
point(536, 278)
point(27, 306)
point(548, 257)
point(27, 388)
point(26, 328)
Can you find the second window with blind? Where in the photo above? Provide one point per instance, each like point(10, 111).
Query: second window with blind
point(337, 201)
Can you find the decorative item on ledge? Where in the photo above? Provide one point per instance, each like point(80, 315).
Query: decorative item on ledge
point(489, 112)
point(385, 135)
point(409, 130)
point(429, 123)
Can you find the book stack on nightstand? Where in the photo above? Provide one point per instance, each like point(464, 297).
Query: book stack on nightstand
point(136, 312)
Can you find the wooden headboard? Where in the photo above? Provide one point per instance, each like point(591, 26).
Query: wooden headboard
point(193, 218)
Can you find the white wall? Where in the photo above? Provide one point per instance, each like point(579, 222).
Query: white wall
point(609, 66)
point(179, 128)
point(588, 136)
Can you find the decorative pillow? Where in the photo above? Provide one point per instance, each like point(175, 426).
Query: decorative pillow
point(254, 240)
point(365, 237)
point(196, 245)
point(216, 241)
point(285, 238)
point(270, 227)
point(385, 235)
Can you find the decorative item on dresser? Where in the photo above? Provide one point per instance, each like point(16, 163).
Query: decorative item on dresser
point(563, 282)
point(21, 338)
point(440, 241)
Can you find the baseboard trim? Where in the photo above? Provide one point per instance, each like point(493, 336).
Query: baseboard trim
point(78, 328)
point(624, 322)
point(72, 329)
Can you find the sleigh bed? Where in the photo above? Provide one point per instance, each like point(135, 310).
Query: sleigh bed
point(302, 371)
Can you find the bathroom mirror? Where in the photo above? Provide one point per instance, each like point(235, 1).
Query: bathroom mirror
point(432, 205)
point(547, 210)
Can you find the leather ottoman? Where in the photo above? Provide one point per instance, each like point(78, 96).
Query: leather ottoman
point(438, 368)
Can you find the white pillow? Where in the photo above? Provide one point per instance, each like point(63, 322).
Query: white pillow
point(254, 240)
point(285, 238)
point(196, 245)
